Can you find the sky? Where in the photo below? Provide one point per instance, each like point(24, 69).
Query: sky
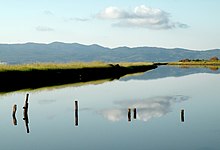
point(190, 24)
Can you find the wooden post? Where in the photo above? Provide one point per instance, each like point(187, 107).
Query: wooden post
point(26, 113)
point(76, 114)
point(129, 114)
point(135, 113)
point(14, 109)
point(26, 106)
point(26, 103)
point(182, 115)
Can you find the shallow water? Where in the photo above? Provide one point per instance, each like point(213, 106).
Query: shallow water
point(103, 119)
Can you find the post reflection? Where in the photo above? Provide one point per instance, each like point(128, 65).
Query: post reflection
point(76, 114)
point(135, 113)
point(26, 122)
point(14, 114)
point(129, 114)
point(25, 113)
point(182, 116)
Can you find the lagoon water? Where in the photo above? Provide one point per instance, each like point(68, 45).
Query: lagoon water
point(106, 117)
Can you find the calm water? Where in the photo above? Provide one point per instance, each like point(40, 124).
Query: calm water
point(103, 119)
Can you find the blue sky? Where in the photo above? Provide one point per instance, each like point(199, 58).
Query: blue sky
point(191, 24)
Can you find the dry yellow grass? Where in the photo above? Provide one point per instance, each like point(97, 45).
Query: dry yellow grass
point(47, 66)
point(72, 65)
point(217, 63)
point(128, 64)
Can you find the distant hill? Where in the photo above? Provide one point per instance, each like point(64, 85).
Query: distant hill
point(66, 52)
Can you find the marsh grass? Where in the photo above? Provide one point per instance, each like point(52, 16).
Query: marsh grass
point(52, 66)
point(212, 65)
point(128, 64)
point(198, 63)
point(63, 66)
point(33, 76)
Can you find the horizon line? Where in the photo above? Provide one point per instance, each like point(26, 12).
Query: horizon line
point(141, 46)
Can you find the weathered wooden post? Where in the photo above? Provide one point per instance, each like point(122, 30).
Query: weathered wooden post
point(14, 109)
point(129, 114)
point(135, 113)
point(26, 103)
point(76, 113)
point(26, 113)
point(182, 115)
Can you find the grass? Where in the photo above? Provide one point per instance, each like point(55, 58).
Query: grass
point(216, 63)
point(63, 66)
point(52, 66)
point(128, 64)
point(33, 76)
point(212, 65)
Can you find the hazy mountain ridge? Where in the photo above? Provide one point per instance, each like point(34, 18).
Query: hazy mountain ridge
point(66, 52)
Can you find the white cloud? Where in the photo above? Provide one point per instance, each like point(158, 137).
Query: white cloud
point(112, 13)
point(141, 16)
point(44, 28)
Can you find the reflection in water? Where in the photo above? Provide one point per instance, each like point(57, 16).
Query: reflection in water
point(213, 68)
point(147, 109)
point(26, 122)
point(135, 113)
point(173, 71)
point(14, 114)
point(129, 114)
point(26, 114)
point(76, 113)
point(46, 101)
point(182, 115)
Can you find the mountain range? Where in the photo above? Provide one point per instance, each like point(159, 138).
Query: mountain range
point(69, 52)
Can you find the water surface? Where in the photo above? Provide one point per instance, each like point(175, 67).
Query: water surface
point(103, 118)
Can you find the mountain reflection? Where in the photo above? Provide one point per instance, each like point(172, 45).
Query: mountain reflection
point(173, 71)
point(145, 109)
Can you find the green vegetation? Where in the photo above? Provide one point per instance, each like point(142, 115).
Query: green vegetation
point(129, 64)
point(52, 66)
point(211, 67)
point(64, 66)
point(214, 61)
point(33, 76)
point(40, 75)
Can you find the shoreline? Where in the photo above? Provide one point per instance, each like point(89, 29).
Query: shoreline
point(14, 79)
point(35, 76)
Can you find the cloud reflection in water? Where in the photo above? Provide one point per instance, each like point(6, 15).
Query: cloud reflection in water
point(46, 101)
point(146, 109)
